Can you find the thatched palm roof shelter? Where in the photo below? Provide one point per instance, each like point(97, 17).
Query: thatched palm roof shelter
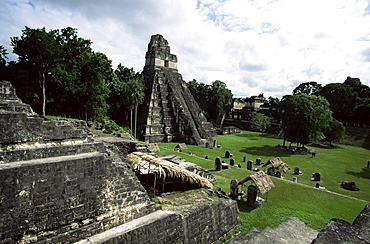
point(145, 164)
point(261, 180)
point(278, 164)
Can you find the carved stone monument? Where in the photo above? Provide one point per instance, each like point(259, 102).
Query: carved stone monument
point(232, 162)
point(316, 177)
point(249, 165)
point(234, 191)
point(252, 195)
point(218, 164)
point(258, 161)
point(271, 171)
point(169, 112)
point(215, 142)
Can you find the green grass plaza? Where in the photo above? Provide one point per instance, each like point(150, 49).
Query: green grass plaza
point(302, 199)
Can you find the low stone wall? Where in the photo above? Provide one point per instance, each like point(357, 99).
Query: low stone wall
point(55, 149)
point(124, 146)
point(201, 223)
point(228, 130)
point(207, 222)
point(19, 128)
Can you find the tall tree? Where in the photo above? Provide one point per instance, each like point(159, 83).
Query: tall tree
point(342, 99)
point(308, 88)
point(202, 94)
point(73, 72)
point(335, 131)
point(213, 99)
point(93, 89)
point(362, 107)
point(259, 121)
point(274, 100)
point(129, 91)
point(3, 55)
point(304, 117)
point(40, 49)
point(221, 100)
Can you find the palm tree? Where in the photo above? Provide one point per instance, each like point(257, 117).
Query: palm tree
point(134, 96)
point(132, 91)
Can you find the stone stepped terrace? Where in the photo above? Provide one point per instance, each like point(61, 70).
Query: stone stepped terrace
point(180, 118)
point(292, 230)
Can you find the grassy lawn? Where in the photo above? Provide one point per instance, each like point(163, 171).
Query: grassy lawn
point(314, 206)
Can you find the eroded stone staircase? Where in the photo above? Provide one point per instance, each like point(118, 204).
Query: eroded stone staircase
point(292, 230)
point(62, 191)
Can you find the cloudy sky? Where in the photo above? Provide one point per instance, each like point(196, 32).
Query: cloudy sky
point(254, 46)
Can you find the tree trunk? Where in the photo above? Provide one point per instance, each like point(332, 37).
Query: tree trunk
point(135, 121)
point(222, 119)
point(131, 122)
point(43, 94)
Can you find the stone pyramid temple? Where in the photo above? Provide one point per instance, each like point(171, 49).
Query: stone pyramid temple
point(169, 112)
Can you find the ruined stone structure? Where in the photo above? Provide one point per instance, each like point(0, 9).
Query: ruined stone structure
point(239, 114)
point(294, 230)
point(57, 185)
point(9, 100)
point(169, 112)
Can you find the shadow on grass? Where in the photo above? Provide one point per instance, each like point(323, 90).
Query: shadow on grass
point(243, 207)
point(323, 146)
point(266, 150)
point(365, 173)
point(258, 136)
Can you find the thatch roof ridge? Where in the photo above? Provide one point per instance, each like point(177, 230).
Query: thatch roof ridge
point(165, 168)
point(277, 163)
point(262, 181)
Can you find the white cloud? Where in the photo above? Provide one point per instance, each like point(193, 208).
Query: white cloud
point(265, 46)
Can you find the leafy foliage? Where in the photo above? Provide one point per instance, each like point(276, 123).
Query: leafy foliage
point(128, 92)
point(201, 93)
point(308, 88)
point(222, 98)
point(349, 101)
point(334, 132)
point(213, 99)
point(40, 49)
point(3, 55)
point(304, 117)
point(274, 100)
point(73, 79)
point(342, 99)
point(259, 121)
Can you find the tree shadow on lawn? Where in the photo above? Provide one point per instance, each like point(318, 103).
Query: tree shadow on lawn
point(258, 137)
point(243, 207)
point(365, 173)
point(324, 146)
point(271, 151)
